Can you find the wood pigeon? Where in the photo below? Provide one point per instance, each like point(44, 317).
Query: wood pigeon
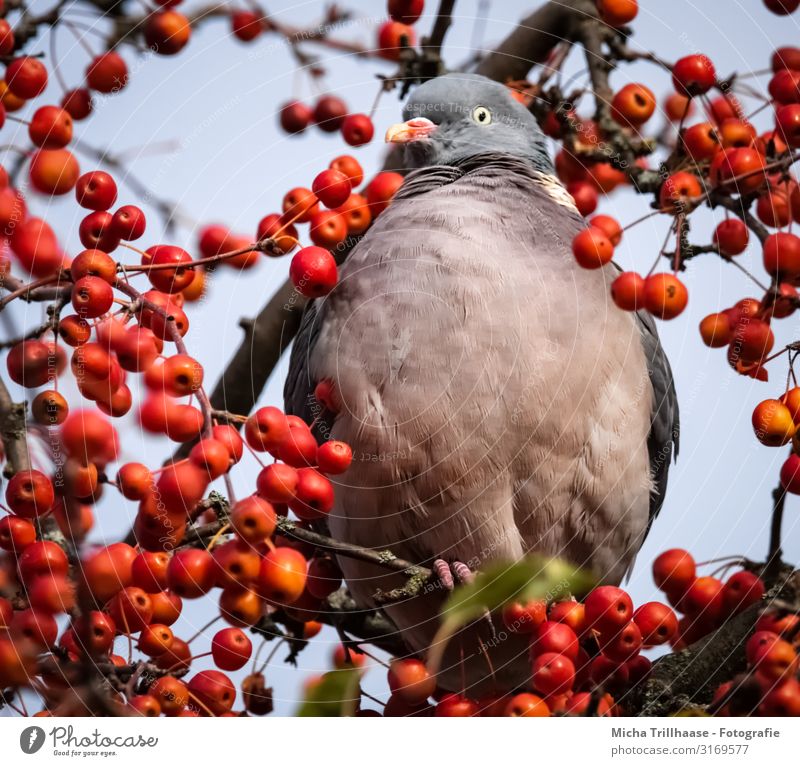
point(496, 400)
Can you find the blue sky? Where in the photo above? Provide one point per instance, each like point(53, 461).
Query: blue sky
point(217, 103)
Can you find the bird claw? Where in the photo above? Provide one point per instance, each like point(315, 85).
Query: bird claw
point(458, 571)
point(449, 574)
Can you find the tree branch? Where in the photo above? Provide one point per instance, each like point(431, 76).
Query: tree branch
point(533, 38)
point(12, 430)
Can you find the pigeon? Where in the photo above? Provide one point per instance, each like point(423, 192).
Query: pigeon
point(497, 402)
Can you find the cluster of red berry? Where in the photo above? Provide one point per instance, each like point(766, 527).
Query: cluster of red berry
point(585, 656)
point(329, 114)
point(128, 591)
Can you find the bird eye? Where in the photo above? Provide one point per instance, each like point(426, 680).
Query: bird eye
point(481, 115)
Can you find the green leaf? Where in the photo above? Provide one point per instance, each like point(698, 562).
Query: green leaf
point(534, 577)
point(335, 695)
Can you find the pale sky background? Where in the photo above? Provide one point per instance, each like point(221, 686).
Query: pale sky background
point(218, 101)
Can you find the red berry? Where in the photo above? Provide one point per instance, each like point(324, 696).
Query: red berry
point(313, 272)
point(456, 706)
point(231, 649)
point(524, 618)
point(410, 680)
point(128, 223)
point(50, 127)
point(266, 429)
point(633, 105)
point(107, 73)
point(30, 494)
point(526, 706)
point(787, 124)
point(617, 13)
point(741, 590)
point(608, 608)
point(553, 674)
point(78, 103)
point(592, 248)
point(213, 690)
point(53, 171)
point(96, 232)
point(392, 36)
point(674, 571)
point(665, 296)
point(16, 534)
point(406, 11)
point(627, 291)
point(246, 25)
point(334, 457)
point(555, 637)
point(622, 645)
point(657, 623)
point(782, 7)
point(6, 38)
point(313, 497)
point(781, 253)
point(253, 519)
point(167, 32)
point(332, 188)
point(92, 297)
point(357, 129)
point(693, 75)
point(329, 113)
point(277, 483)
point(191, 573)
point(96, 190)
point(295, 117)
point(731, 236)
point(282, 578)
point(26, 77)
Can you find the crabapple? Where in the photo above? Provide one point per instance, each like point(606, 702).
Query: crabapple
point(26, 77)
point(731, 236)
point(313, 272)
point(592, 248)
point(553, 674)
point(657, 622)
point(693, 75)
point(608, 609)
point(231, 649)
point(525, 705)
point(554, 637)
point(773, 423)
point(627, 291)
point(332, 187)
point(50, 127)
point(213, 691)
point(357, 129)
point(665, 296)
point(329, 113)
point(107, 73)
point(617, 13)
point(633, 105)
point(191, 572)
point(30, 493)
point(282, 577)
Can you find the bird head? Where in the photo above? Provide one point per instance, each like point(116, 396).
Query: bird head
point(457, 116)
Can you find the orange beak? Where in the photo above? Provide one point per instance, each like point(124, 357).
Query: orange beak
point(413, 130)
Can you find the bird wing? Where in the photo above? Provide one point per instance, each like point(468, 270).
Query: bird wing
point(298, 389)
point(664, 437)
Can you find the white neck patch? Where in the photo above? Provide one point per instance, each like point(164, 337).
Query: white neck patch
point(555, 189)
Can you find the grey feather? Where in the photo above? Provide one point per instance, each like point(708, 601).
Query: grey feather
point(664, 440)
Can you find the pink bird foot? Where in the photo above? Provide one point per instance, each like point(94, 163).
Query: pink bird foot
point(449, 574)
